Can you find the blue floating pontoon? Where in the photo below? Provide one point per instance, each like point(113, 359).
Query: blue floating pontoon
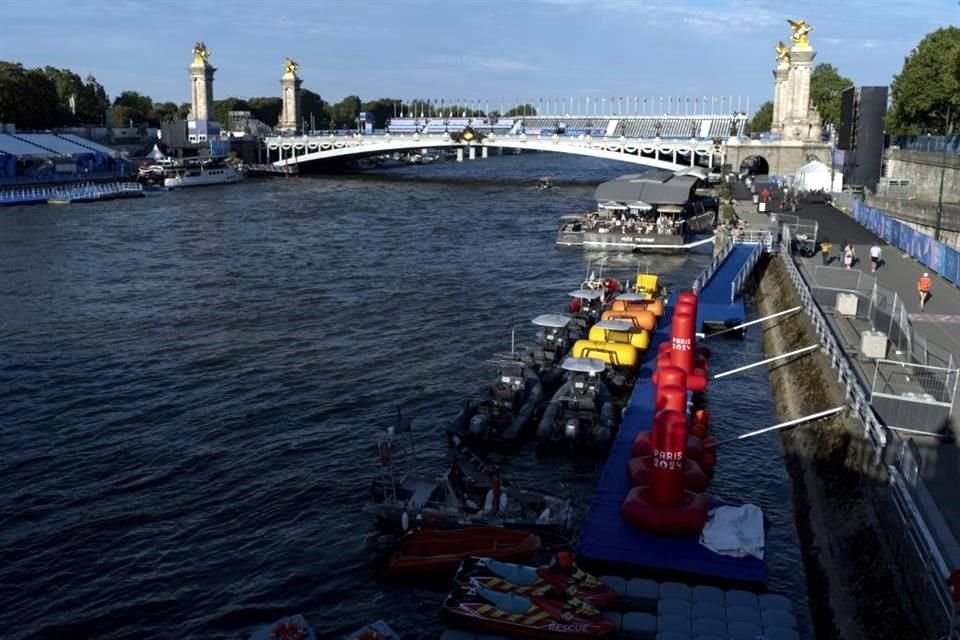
point(619, 548)
point(716, 308)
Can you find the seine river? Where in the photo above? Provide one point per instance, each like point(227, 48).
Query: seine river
point(192, 384)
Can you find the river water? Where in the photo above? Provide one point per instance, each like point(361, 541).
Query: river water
point(192, 384)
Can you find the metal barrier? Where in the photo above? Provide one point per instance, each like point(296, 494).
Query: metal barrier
point(738, 280)
point(704, 277)
point(913, 396)
point(903, 471)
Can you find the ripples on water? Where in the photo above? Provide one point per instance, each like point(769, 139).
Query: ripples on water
point(191, 386)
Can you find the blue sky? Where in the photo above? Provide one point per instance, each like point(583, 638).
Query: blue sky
point(485, 49)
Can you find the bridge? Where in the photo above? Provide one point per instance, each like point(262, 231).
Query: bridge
point(668, 142)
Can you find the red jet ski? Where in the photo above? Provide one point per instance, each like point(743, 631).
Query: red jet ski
point(524, 616)
point(560, 580)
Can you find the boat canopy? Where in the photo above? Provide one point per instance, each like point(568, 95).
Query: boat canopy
point(570, 217)
point(583, 365)
point(615, 325)
point(654, 187)
point(611, 204)
point(633, 297)
point(586, 294)
point(640, 205)
point(552, 320)
point(669, 208)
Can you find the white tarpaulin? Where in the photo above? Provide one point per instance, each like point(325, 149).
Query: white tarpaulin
point(735, 531)
point(813, 176)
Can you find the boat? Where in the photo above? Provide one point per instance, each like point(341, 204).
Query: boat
point(290, 628)
point(378, 630)
point(554, 335)
point(432, 551)
point(529, 616)
point(459, 497)
point(562, 578)
point(199, 174)
point(545, 183)
point(658, 210)
point(581, 414)
point(501, 411)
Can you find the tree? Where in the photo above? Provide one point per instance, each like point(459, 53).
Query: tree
point(928, 85)
point(266, 110)
point(826, 85)
point(129, 107)
point(312, 105)
point(345, 112)
point(762, 119)
point(222, 108)
point(521, 110)
point(166, 111)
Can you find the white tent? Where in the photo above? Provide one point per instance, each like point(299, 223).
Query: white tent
point(813, 176)
point(156, 154)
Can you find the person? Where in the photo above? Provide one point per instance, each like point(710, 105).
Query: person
point(848, 257)
point(923, 288)
point(874, 258)
point(825, 250)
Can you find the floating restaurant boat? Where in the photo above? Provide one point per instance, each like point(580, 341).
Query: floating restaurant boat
point(430, 551)
point(659, 210)
point(200, 174)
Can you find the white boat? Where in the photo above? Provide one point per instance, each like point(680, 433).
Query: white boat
point(201, 174)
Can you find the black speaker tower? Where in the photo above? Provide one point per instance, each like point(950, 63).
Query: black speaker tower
point(860, 134)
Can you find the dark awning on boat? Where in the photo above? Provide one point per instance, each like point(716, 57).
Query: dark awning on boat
point(656, 187)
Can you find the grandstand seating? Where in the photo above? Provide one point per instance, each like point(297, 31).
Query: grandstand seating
point(49, 157)
point(668, 127)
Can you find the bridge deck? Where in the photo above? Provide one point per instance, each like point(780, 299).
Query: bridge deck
point(715, 306)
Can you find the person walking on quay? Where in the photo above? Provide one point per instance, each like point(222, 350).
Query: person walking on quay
point(848, 256)
point(923, 288)
point(825, 251)
point(874, 258)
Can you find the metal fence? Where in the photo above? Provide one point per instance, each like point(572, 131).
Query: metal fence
point(913, 397)
point(930, 144)
point(903, 470)
point(740, 279)
point(718, 258)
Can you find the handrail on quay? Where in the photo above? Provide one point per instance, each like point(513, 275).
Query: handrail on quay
point(902, 472)
point(740, 279)
point(704, 277)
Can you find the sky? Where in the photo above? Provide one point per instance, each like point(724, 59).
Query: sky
point(464, 49)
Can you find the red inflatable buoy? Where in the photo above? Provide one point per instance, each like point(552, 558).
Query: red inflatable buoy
point(640, 470)
point(669, 453)
point(688, 516)
point(681, 339)
point(688, 297)
point(700, 423)
point(671, 397)
point(667, 374)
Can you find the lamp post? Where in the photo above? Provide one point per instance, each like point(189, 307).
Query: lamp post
point(943, 170)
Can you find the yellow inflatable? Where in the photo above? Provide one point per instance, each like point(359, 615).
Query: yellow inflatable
point(641, 319)
point(640, 339)
point(647, 284)
point(612, 353)
point(653, 306)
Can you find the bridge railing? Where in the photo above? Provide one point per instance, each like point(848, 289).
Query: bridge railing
point(936, 556)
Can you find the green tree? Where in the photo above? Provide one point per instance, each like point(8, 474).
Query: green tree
point(221, 109)
point(762, 119)
point(129, 107)
point(345, 112)
point(826, 85)
point(312, 105)
point(92, 102)
point(266, 110)
point(166, 111)
point(28, 98)
point(928, 85)
point(521, 110)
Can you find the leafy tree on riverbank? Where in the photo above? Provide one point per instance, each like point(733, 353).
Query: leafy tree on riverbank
point(826, 85)
point(927, 86)
point(763, 119)
point(49, 97)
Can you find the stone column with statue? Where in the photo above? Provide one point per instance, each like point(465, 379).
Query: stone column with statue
point(780, 87)
point(801, 120)
point(290, 115)
point(201, 84)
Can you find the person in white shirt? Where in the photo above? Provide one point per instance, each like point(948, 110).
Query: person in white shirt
point(874, 258)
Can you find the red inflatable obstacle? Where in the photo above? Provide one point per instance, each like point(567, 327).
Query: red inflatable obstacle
point(640, 471)
point(700, 423)
point(666, 506)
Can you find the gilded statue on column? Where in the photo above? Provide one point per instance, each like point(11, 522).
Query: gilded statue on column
point(290, 67)
point(200, 53)
point(801, 32)
point(783, 54)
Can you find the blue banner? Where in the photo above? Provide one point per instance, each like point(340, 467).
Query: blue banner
point(936, 256)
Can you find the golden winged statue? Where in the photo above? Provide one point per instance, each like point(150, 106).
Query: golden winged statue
point(801, 32)
point(290, 66)
point(200, 53)
point(783, 53)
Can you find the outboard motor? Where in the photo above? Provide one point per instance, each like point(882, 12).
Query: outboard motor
point(478, 425)
point(570, 429)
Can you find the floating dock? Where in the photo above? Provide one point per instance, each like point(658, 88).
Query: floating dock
point(616, 547)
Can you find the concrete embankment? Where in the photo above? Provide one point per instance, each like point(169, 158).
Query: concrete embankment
point(854, 591)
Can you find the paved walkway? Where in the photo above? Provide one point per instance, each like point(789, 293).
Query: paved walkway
point(939, 323)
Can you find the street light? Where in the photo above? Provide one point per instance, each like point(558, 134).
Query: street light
point(943, 170)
